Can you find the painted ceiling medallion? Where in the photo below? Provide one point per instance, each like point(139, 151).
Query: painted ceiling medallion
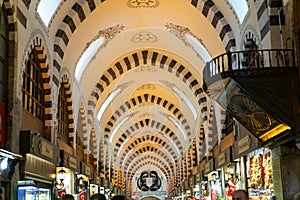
point(146, 68)
point(147, 87)
point(107, 34)
point(181, 33)
point(149, 181)
point(144, 37)
point(143, 3)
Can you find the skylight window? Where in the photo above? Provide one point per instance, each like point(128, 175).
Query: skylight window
point(46, 9)
point(86, 57)
point(107, 102)
point(187, 101)
point(241, 8)
point(198, 47)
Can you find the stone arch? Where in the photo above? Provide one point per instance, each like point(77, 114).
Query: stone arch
point(155, 60)
point(136, 101)
point(80, 11)
point(37, 43)
point(66, 83)
point(82, 118)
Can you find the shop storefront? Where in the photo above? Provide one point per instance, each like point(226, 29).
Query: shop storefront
point(83, 180)
point(203, 186)
point(95, 185)
point(260, 174)
point(38, 169)
point(198, 179)
point(187, 188)
point(213, 180)
point(229, 171)
point(244, 155)
point(8, 161)
point(107, 188)
point(66, 174)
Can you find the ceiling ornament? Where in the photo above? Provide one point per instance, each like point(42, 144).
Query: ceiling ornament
point(147, 114)
point(144, 37)
point(147, 87)
point(145, 68)
point(107, 34)
point(182, 33)
point(149, 181)
point(134, 113)
point(125, 85)
point(143, 3)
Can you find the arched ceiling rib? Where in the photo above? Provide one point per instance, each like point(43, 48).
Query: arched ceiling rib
point(148, 66)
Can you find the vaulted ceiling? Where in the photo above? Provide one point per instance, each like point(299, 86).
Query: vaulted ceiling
point(145, 77)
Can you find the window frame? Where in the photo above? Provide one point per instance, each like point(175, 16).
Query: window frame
point(63, 115)
point(33, 93)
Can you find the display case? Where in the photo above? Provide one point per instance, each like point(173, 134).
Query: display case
point(28, 192)
point(32, 192)
point(260, 174)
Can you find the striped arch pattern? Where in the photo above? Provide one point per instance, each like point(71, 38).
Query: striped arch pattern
point(217, 20)
point(262, 17)
point(65, 82)
point(38, 44)
point(223, 120)
point(153, 58)
point(93, 143)
point(80, 10)
point(140, 100)
point(201, 136)
point(160, 127)
point(189, 163)
point(149, 159)
point(69, 24)
point(195, 161)
point(163, 143)
point(211, 126)
point(148, 149)
point(11, 19)
point(142, 164)
point(163, 151)
point(249, 38)
point(82, 118)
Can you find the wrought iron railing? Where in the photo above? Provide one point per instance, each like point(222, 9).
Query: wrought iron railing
point(248, 60)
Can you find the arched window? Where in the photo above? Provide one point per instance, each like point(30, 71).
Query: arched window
point(62, 114)
point(3, 54)
point(33, 90)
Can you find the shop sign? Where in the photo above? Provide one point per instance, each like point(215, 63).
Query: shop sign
point(221, 159)
point(186, 184)
point(72, 162)
point(198, 178)
point(97, 180)
point(207, 168)
point(105, 183)
point(191, 180)
point(2, 125)
point(46, 149)
point(87, 170)
point(244, 144)
point(27, 182)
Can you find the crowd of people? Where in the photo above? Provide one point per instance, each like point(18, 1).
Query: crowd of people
point(96, 197)
point(236, 195)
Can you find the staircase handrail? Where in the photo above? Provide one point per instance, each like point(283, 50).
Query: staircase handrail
point(249, 60)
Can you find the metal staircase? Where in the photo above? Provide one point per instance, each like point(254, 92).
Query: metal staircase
point(259, 88)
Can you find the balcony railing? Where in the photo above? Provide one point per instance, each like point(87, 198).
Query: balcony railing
point(248, 60)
